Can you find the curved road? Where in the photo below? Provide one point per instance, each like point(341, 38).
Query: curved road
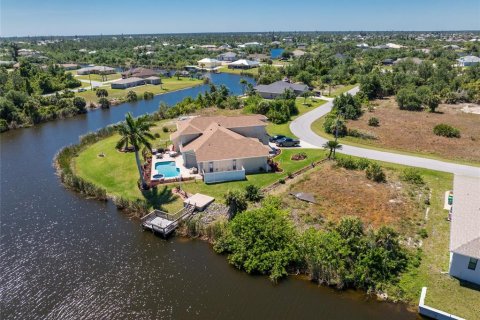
point(301, 127)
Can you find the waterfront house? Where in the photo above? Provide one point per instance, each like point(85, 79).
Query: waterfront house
point(95, 70)
point(465, 229)
point(227, 56)
point(223, 148)
point(208, 63)
point(243, 64)
point(468, 61)
point(274, 90)
point(140, 73)
point(127, 83)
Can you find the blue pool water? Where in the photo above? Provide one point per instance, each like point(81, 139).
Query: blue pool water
point(276, 53)
point(167, 169)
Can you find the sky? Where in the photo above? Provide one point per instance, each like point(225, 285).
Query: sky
point(88, 17)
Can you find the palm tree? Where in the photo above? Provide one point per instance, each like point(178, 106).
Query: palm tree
point(244, 83)
point(136, 132)
point(332, 146)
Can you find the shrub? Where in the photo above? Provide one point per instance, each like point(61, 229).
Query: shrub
point(446, 130)
point(253, 193)
point(147, 95)
point(347, 163)
point(408, 99)
point(375, 173)
point(260, 241)
point(299, 156)
point(373, 122)
point(423, 233)
point(156, 135)
point(104, 103)
point(363, 163)
point(360, 134)
point(132, 96)
point(165, 129)
point(348, 106)
point(236, 202)
point(412, 175)
point(3, 125)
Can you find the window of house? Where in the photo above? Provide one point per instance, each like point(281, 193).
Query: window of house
point(210, 166)
point(472, 264)
point(234, 164)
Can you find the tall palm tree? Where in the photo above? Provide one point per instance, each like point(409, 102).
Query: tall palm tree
point(332, 146)
point(136, 132)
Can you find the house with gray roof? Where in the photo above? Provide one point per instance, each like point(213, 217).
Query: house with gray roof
point(465, 229)
point(227, 56)
point(276, 89)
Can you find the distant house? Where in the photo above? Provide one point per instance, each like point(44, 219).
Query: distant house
point(127, 83)
point(276, 89)
point(208, 63)
point(388, 62)
point(243, 64)
point(250, 44)
point(340, 56)
point(140, 73)
point(465, 229)
point(362, 45)
point(95, 70)
point(223, 148)
point(227, 56)
point(302, 46)
point(153, 80)
point(468, 61)
point(415, 60)
point(69, 66)
point(298, 53)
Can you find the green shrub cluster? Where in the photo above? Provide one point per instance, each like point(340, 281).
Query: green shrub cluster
point(446, 130)
point(412, 175)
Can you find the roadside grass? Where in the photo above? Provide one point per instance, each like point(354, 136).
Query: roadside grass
point(248, 72)
point(169, 84)
point(317, 127)
point(284, 128)
point(338, 91)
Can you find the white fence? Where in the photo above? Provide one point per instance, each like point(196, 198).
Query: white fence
point(433, 313)
point(222, 176)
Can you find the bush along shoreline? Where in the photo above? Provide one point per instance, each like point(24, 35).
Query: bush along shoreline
point(63, 164)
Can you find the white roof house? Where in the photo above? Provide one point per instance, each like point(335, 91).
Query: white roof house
point(242, 63)
point(468, 61)
point(465, 229)
point(208, 63)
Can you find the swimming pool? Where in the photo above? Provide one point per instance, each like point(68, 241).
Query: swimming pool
point(167, 169)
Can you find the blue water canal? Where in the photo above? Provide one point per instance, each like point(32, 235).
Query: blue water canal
point(276, 53)
point(66, 257)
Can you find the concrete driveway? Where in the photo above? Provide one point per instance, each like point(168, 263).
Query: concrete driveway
point(301, 127)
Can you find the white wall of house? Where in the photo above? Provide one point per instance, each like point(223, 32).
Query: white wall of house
point(251, 165)
point(189, 159)
point(459, 268)
point(184, 139)
point(253, 132)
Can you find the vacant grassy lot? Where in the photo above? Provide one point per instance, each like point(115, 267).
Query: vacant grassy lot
point(338, 90)
point(340, 192)
point(412, 132)
point(169, 84)
point(303, 107)
point(97, 77)
point(249, 72)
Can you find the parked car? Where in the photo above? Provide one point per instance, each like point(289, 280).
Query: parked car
point(288, 142)
point(82, 90)
point(276, 138)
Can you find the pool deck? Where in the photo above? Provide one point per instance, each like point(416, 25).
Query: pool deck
point(184, 172)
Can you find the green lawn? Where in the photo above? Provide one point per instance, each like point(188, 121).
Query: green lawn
point(97, 77)
point(284, 128)
point(339, 91)
point(169, 84)
point(117, 172)
point(249, 72)
point(317, 127)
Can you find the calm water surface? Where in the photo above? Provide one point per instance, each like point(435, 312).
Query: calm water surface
point(66, 257)
point(276, 53)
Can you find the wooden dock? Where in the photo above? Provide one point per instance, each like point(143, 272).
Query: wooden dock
point(162, 223)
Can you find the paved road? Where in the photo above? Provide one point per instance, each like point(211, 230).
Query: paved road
point(301, 127)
